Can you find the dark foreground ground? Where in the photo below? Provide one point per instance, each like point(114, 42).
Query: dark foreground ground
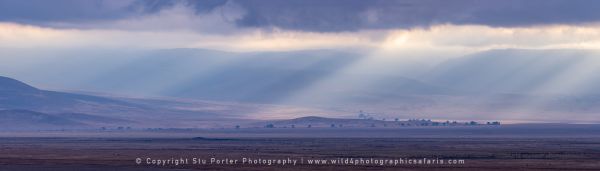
point(498, 148)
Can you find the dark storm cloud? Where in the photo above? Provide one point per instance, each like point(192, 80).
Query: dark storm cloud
point(332, 15)
point(320, 15)
point(44, 12)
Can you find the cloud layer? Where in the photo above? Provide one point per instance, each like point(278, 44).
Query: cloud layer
point(311, 15)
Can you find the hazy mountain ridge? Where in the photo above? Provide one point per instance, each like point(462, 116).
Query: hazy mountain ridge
point(18, 95)
point(216, 75)
point(496, 84)
point(19, 119)
point(9, 84)
point(28, 106)
point(23, 107)
point(516, 71)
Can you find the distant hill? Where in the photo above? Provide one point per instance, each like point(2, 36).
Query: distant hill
point(521, 72)
point(18, 95)
point(12, 85)
point(30, 120)
point(512, 84)
point(24, 107)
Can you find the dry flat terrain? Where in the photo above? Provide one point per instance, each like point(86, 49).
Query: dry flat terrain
point(547, 148)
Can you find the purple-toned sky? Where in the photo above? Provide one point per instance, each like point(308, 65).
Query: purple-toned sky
point(300, 24)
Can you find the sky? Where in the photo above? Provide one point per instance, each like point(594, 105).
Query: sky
point(416, 35)
point(272, 25)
